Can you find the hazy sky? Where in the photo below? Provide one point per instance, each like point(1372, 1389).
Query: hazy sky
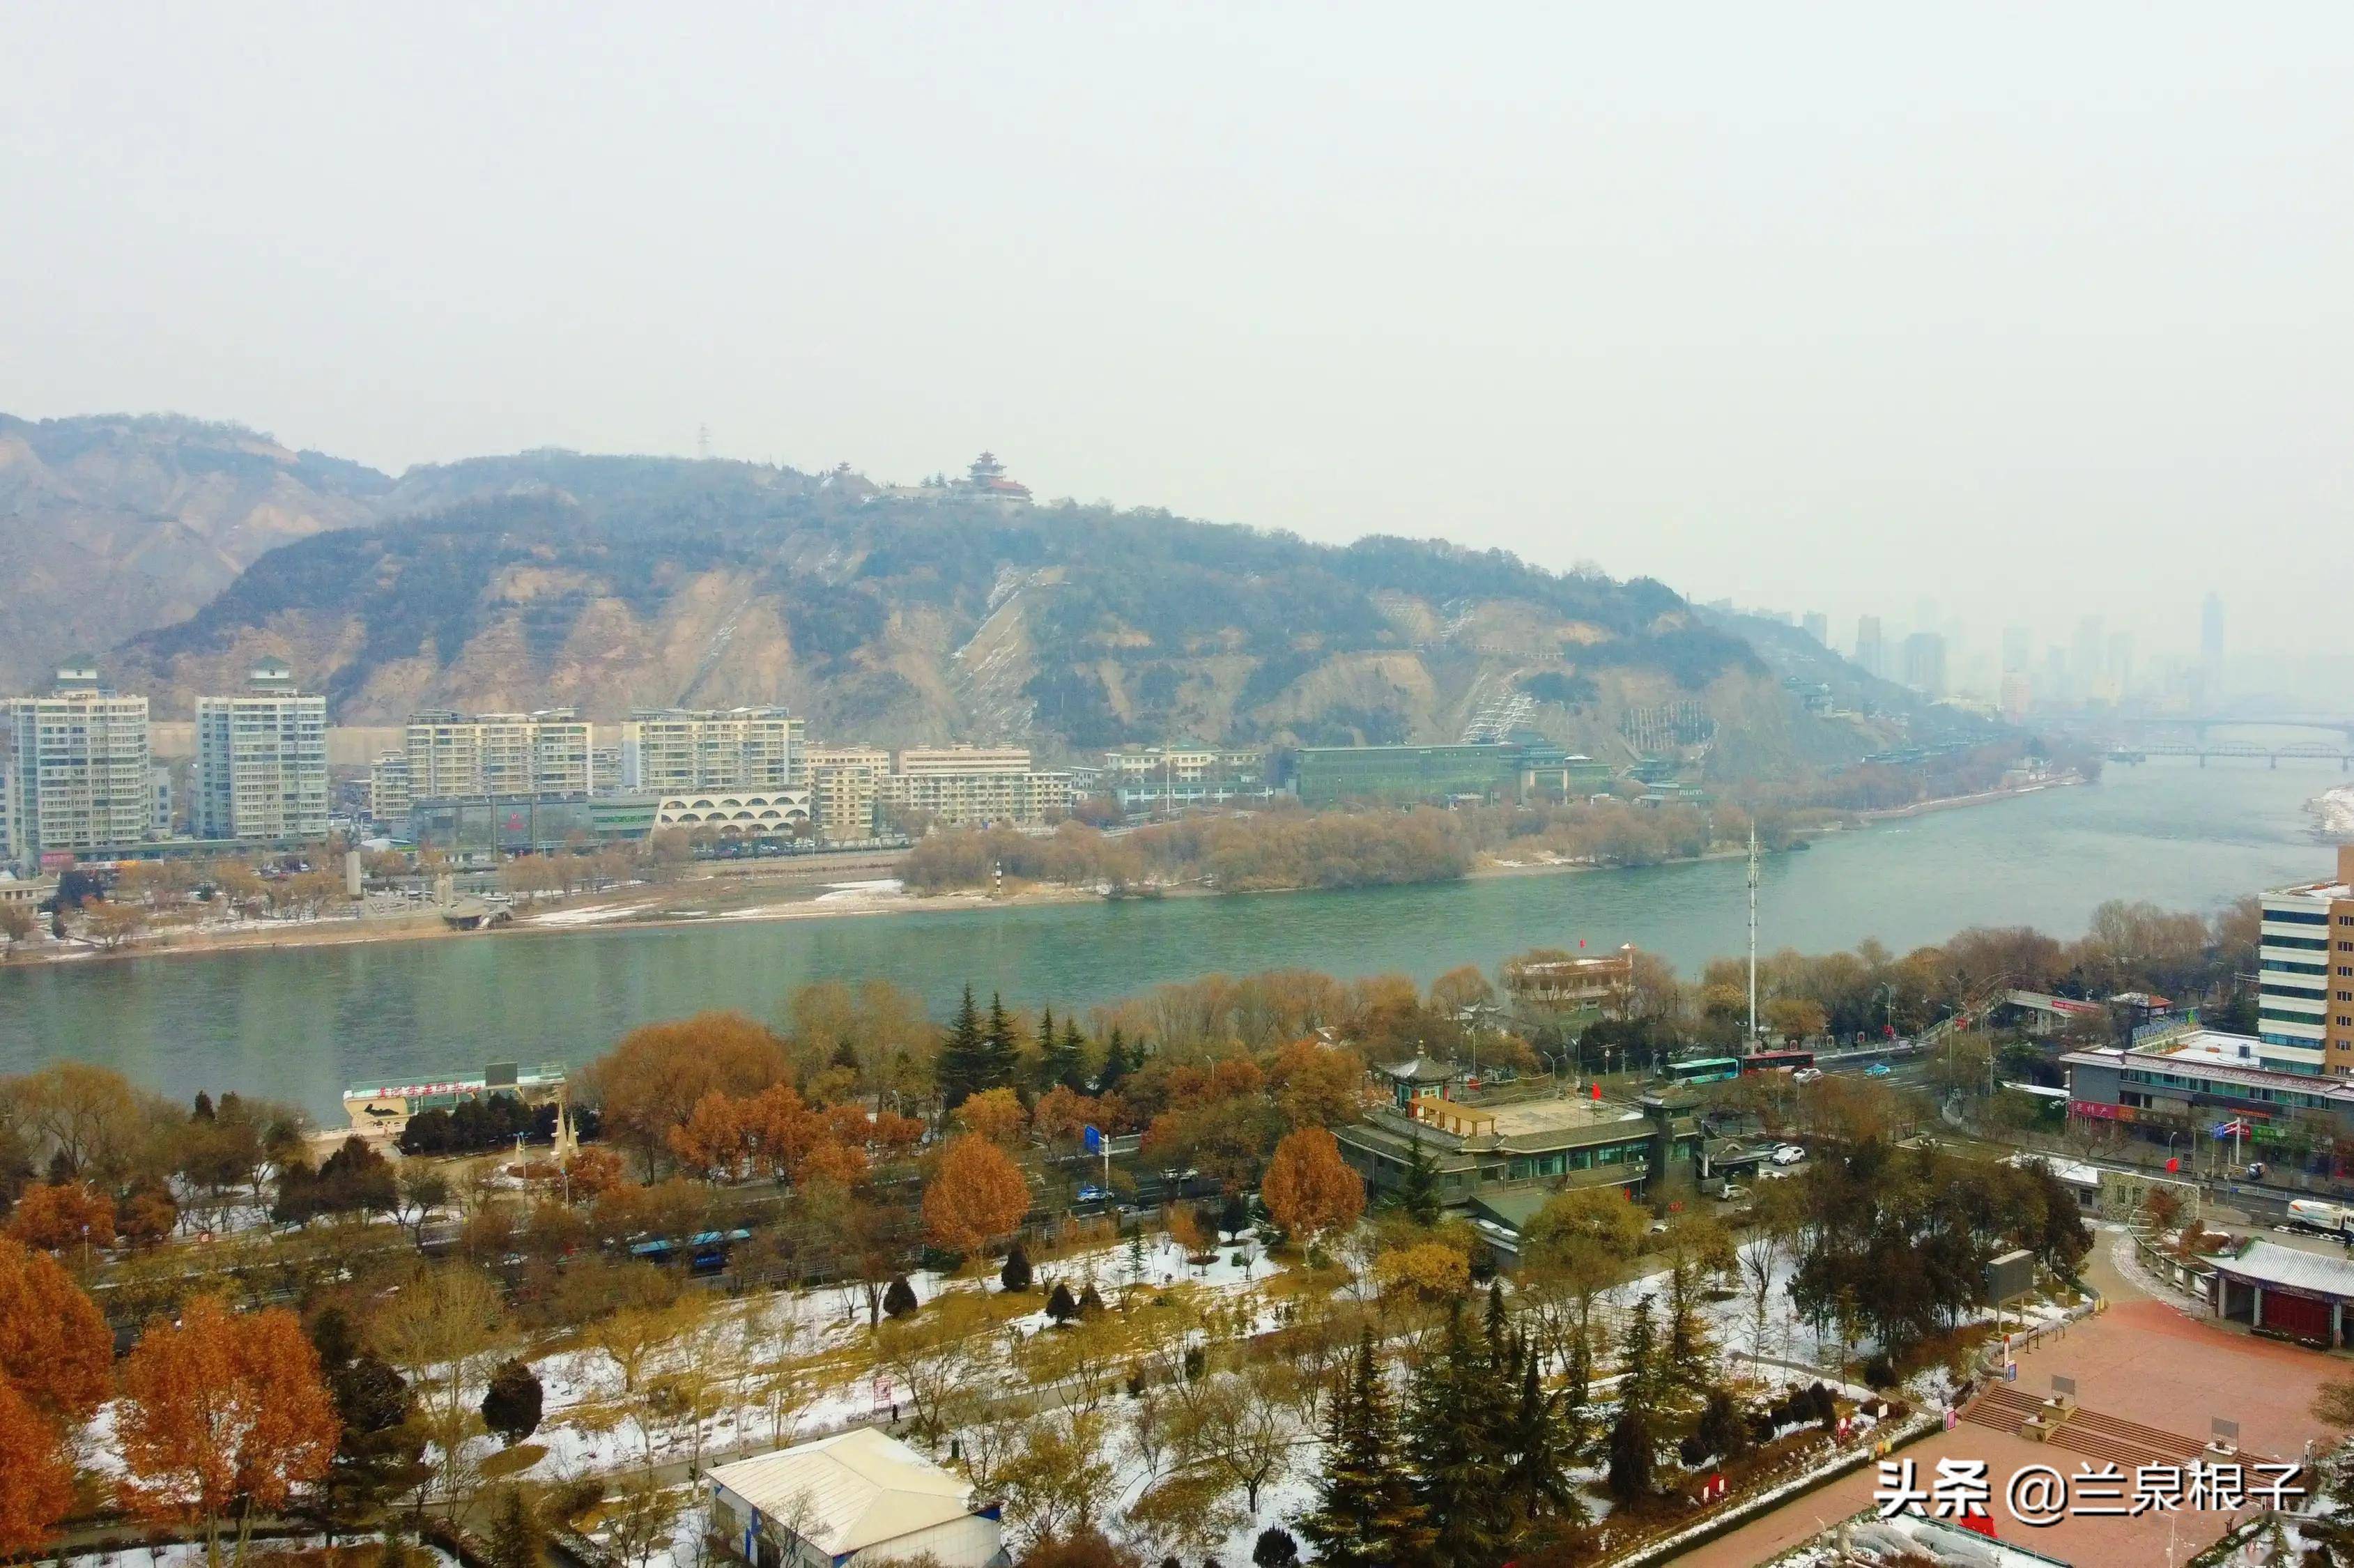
point(2040, 311)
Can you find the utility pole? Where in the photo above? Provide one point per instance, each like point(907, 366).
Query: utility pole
point(1752, 1041)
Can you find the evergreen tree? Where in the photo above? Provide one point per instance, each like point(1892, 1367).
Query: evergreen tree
point(202, 1108)
point(1062, 1062)
point(1365, 1514)
point(1688, 1360)
point(516, 1538)
point(1000, 1049)
point(899, 1300)
point(1638, 1390)
point(1417, 1195)
point(1116, 1063)
point(960, 1064)
point(1542, 1437)
point(1015, 1275)
point(1451, 1448)
point(510, 1405)
point(1630, 1457)
point(1061, 1304)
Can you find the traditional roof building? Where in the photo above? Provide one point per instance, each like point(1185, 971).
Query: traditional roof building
point(859, 1496)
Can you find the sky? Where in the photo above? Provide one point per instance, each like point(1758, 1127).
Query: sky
point(2039, 311)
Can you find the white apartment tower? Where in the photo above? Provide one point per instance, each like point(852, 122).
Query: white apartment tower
point(450, 755)
point(78, 773)
point(677, 751)
point(262, 761)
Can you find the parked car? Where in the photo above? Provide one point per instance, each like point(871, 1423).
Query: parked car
point(1788, 1154)
point(1805, 1075)
point(1735, 1194)
point(1878, 1070)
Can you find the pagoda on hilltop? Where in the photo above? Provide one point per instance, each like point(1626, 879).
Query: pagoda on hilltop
point(986, 480)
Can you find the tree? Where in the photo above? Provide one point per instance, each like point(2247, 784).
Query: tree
point(36, 1475)
point(222, 1410)
point(1541, 1444)
point(1365, 1514)
point(899, 1300)
point(1317, 1085)
point(1001, 1048)
point(1061, 1304)
point(1015, 1277)
point(995, 1115)
point(975, 1195)
point(1417, 1194)
point(444, 1329)
point(55, 1347)
point(1452, 1445)
point(1275, 1548)
point(1309, 1190)
point(17, 922)
point(510, 1405)
point(67, 1215)
point(517, 1540)
point(962, 1066)
point(651, 1081)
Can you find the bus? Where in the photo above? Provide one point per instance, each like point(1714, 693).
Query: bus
point(1776, 1061)
point(1704, 1070)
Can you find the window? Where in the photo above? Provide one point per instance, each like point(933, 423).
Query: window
point(2299, 916)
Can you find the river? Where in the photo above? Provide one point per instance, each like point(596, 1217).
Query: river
point(300, 1023)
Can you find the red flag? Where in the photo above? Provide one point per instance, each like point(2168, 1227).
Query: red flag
point(1597, 1091)
point(1581, 941)
point(1982, 1522)
point(2173, 1163)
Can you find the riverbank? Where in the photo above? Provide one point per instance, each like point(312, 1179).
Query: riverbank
point(733, 893)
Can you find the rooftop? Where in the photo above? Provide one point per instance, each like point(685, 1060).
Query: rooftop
point(2216, 1069)
point(843, 1493)
point(2267, 1263)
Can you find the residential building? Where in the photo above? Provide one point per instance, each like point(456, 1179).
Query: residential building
point(80, 771)
point(1871, 646)
point(262, 761)
point(542, 753)
point(859, 1496)
point(679, 751)
point(970, 786)
point(1172, 778)
point(2305, 971)
point(159, 799)
point(1819, 626)
point(388, 796)
point(1925, 663)
point(486, 824)
point(845, 787)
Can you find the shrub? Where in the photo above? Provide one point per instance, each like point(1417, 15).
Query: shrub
point(899, 1300)
point(1015, 1275)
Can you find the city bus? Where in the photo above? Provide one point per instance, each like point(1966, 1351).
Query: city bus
point(1776, 1061)
point(1704, 1070)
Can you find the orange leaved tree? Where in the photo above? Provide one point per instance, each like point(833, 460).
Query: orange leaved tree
point(70, 1214)
point(220, 1409)
point(976, 1195)
point(1309, 1189)
point(55, 1349)
point(35, 1475)
point(996, 1115)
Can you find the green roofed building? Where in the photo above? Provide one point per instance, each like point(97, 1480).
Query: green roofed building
point(1489, 770)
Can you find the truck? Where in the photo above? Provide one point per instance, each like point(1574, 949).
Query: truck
point(2308, 1214)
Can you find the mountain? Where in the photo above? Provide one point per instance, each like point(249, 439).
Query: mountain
point(552, 577)
point(112, 525)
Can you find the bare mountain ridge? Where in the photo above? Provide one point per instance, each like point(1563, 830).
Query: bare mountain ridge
point(610, 582)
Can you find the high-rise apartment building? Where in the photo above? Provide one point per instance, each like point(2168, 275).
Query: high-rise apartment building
point(451, 756)
point(2305, 973)
point(388, 796)
point(262, 761)
point(1819, 626)
point(1925, 663)
point(1871, 649)
point(846, 786)
point(2016, 650)
point(78, 769)
point(670, 751)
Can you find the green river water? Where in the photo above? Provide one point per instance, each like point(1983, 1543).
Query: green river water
point(301, 1022)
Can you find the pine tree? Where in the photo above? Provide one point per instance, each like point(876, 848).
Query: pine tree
point(516, 1539)
point(1541, 1442)
point(1638, 1390)
point(1044, 1079)
point(899, 1300)
point(1450, 1444)
point(1688, 1359)
point(1417, 1194)
point(1060, 1064)
point(959, 1070)
point(1116, 1063)
point(1001, 1053)
point(1074, 1057)
point(1365, 1514)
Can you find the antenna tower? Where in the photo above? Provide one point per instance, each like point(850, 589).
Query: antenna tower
point(1753, 936)
point(702, 442)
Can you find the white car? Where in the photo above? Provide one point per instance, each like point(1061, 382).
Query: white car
point(1805, 1075)
point(1788, 1154)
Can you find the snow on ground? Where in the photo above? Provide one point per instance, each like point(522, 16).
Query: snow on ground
point(191, 1553)
point(849, 892)
point(597, 916)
